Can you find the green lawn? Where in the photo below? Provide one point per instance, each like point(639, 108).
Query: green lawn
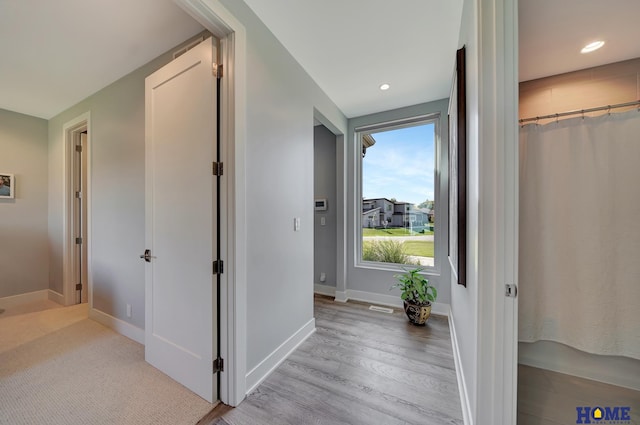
point(419, 248)
point(399, 231)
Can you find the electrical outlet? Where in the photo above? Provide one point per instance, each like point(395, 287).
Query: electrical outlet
point(323, 221)
point(296, 224)
point(323, 277)
point(128, 310)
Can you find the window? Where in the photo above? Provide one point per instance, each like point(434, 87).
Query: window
point(397, 223)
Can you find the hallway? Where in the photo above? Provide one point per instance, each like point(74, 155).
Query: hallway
point(360, 367)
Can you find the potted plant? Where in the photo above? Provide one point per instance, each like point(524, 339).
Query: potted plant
point(417, 295)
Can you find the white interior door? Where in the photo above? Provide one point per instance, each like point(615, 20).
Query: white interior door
point(180, 292)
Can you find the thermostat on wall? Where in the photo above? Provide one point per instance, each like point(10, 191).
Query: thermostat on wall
point(321, 204)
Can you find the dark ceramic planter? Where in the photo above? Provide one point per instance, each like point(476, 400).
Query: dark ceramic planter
point(417, 314)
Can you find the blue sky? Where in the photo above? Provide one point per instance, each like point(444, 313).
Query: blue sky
point(400, 165)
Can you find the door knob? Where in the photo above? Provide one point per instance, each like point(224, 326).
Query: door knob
point(147, 255)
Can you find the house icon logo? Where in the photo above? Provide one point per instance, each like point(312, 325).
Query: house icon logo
point(619, 415)
point(597, 414)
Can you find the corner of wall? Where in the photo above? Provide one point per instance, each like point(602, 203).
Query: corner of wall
point(120, 326)
point(23, 143)
point(259, 373)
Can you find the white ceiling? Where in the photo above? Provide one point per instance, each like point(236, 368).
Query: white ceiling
point(552, 32)
point(351, 47)
point(56, 53)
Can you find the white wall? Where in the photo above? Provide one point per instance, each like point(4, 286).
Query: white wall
point(24, 257)
point(484, 319)
point(325, 236)
point(281, 99)
point(464, 300)
point(378, 281)
point(117, 198)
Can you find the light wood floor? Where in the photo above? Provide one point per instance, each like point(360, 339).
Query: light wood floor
point(360, 367)
point(551, 398)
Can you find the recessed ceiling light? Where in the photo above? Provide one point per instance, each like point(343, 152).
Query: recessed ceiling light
point(592, 46)
point(385, 86)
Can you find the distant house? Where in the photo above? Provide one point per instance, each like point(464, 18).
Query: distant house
point(429, 215)
point(384, 209)
point(371, 218)
point(383, 212)
point(407, 215)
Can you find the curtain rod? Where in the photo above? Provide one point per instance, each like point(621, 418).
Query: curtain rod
point(581, 111)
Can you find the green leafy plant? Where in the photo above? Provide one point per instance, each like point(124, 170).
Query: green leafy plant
point(415, 287)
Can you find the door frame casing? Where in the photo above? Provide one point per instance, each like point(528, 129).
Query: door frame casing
point(497, 261)
point(71, 132)
point(233, 328)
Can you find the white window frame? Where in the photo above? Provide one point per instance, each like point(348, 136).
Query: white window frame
point(440, 198)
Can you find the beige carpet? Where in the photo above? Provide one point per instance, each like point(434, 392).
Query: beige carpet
point(22, 324)
point(59, 367)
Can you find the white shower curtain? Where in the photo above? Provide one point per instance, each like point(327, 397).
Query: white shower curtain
point(579, 269)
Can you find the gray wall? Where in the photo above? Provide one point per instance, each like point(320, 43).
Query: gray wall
point(24, 258)
point(325, 174)
point(281, 99)
point(376, 280)
point(117, 193)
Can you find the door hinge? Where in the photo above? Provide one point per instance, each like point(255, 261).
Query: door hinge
point(78, 241)
point(79, 195)
point(217, 70)
point(218, 169)
point(78, 148)
point(511, 291)
point(218, 365)
point(218, 267)
point(78, 286)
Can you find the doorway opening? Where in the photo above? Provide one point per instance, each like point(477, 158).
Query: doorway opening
point(325, 210)
point(76, 224)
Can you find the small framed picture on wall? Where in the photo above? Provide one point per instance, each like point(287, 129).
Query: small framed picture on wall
point(7, 186)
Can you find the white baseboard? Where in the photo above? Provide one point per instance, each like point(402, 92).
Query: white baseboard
point(324, 290)
point(441, 309)
point(20, 299)
point(273, 360)
point(342, 296)
point(120, 326)
point(557, 357)
point(462, 384)
point(374, 298)
point(56, 297)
